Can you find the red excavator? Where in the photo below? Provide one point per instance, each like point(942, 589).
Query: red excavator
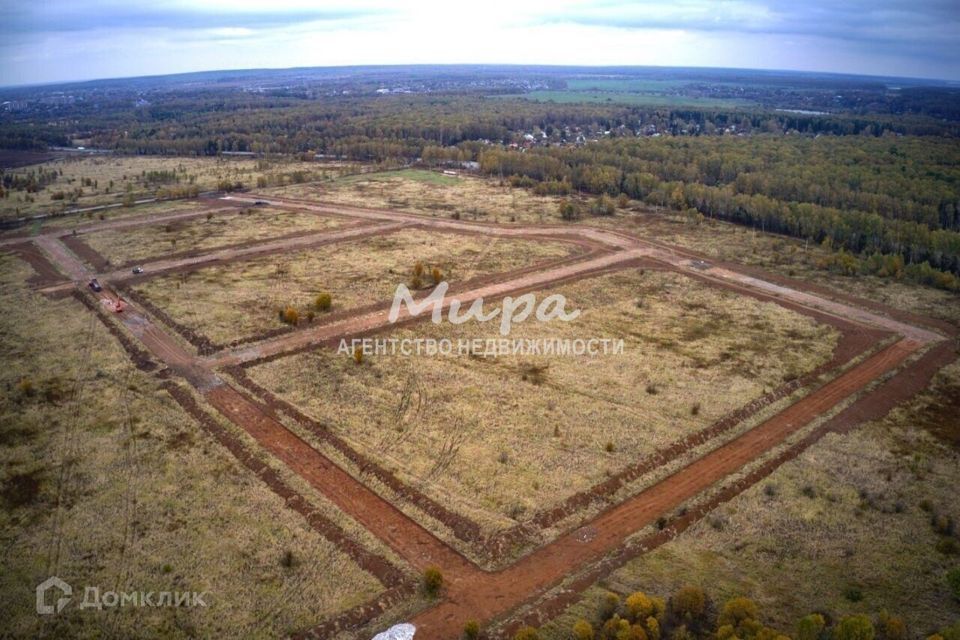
point(117, 306)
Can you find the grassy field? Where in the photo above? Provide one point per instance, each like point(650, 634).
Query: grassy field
point(486, 200)
point(790, 257)
point(422, 176)
point(629, 98)
point(500, 435)
point(108, 179)
point(205, 232)
point(241, 299)
point(147, 500)
point(845, 528)
point(431, 193)
point(623, 84)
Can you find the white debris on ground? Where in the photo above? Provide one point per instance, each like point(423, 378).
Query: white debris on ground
point(397, 632)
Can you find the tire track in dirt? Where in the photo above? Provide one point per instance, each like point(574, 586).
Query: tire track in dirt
point(411, 541)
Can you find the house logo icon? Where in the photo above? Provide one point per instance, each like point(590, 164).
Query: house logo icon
point(66, 590)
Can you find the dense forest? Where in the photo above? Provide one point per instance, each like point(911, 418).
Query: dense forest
point(872, 196)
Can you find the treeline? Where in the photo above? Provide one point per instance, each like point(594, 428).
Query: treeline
point(690, 614)
point(896, 196)
point(381, 128)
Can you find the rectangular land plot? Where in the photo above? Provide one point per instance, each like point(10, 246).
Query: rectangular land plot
point(150, 496)
point(205, 233)
point(241, 300)
point(506, 436)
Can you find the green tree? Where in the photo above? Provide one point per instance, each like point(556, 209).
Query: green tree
point(582, 630)
point(856, 627)
point(689, 603)
point(810, 627)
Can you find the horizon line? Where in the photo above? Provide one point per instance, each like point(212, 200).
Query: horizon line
point(846, 74)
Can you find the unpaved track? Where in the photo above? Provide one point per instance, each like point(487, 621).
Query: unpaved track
point(378, 319)
point(471, 592)
point(495, 594)
point(306, 241)
point(204, 207)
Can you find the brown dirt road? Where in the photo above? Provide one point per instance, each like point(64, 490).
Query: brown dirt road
point(472, 592)
point(491, 595)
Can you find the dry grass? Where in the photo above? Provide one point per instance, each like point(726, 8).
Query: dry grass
point(241, 299)
point(783, 255)
point(433, 194)
point(501, 435)
point(852, 514)
point(129, 174)
point(221, 229)
point(475, 198)
point(149, 501)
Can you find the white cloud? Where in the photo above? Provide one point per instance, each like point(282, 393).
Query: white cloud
point(78, 39)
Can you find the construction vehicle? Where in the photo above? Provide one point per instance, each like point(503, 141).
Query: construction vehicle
point(118, 305)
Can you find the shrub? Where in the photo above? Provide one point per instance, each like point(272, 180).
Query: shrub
point(527, 633)
point(689, 603)
point(891, 627)
point(471, 630)
point(358, 355)
point(609, 447)
point(948, 546)
point(615, 627)
point(952, 632)
point(810, 627)
point(432, 581)
point(738, 610)
point(682, 633)
point(582, 630)
point(310, 316)
point(604, 205)
point(652, 389)
point(436, 275)
point(942, 524)
point(290, 316)
point(416, 282)
point(953, 581)
point(418, 269)
point(569, 210)
point(609, 605)
point(287, 560)
point(856, 627)
point(853, 594)
point(695, 409)
point(640, 606)
point(21, 489)
point(323, 302)
point(26, 388)
point(653, 628)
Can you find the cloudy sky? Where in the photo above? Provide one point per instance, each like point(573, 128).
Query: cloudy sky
point(53, 40)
